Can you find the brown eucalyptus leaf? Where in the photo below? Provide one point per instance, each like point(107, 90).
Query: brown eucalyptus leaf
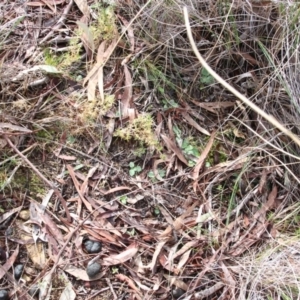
point(122, 257)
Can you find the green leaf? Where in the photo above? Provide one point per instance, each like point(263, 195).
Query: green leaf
point(131, 164)
point(123, 199)
point(195, 152)
point(189, 149)
point(173, 103)
point(156, 211)
point(206, 78)
point(179, 141)
point(151, 174)
point(49, 69)
point(161, 90)
point(191, 163)
point(177, 131)
point(161, 173)
point(185, 144)
point(131, 172)
point(138, 169)
point(131, 232)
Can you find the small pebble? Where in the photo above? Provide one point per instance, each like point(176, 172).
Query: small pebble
point(18, 270)
point(3, 295)
point(177, 293)
point(92, 246)
point(93, 269)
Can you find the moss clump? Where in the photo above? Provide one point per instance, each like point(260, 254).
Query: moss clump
point(105, 27)
point(65, 60)
point(22, 180)
point(31, 181)
point(96, 107)
point(141, 130)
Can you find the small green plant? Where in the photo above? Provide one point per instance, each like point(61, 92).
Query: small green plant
point(131, 232)
point(205, 78)
point(139, 151)
point(152, 176)
point(156, 211)
point(190, 148)
point(71, 139)
point(134, 169)
point(123, 199)
point(188, 145)
point(114, 270)
point(169, 104)
point(159, 78)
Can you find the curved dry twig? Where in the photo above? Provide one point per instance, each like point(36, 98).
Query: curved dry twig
point(230, 88)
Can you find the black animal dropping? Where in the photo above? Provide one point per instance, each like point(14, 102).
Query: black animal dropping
point(3, 295)
point(93, 269)
point(177, 293)
point(18, 270)
point(92, 246)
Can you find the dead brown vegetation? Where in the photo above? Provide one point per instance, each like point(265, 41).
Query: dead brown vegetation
point(112, 131)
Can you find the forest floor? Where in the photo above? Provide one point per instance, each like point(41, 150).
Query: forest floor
point(127, 171)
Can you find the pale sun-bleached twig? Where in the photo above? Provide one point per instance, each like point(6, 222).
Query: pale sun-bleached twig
point(230, 88)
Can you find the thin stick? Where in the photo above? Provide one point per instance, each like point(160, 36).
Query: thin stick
point(49, 183)
point(230, 88)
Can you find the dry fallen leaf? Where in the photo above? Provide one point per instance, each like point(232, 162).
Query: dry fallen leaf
point(195, 124)
point(186, 247)
point(10, 128)
point(130, 32)
point(36, 251)
point(68, 292)
point(83, 6)
point(173, 147)
point(202, 157)
point(81, 274)
point(102, 56)
point(67, 157)
point(3, 143)
point(45, 287)
point(6, 215)
point(173, 280)
point(44, 2)
point(166, 265)
point(127, 94)
point(9, 263)
point(129, 282)
point(77, 186)
point(209, 291)
point(122, 257)
point(86, 36)
point(156, 253)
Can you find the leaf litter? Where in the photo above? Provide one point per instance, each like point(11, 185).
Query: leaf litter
point(189, 225)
